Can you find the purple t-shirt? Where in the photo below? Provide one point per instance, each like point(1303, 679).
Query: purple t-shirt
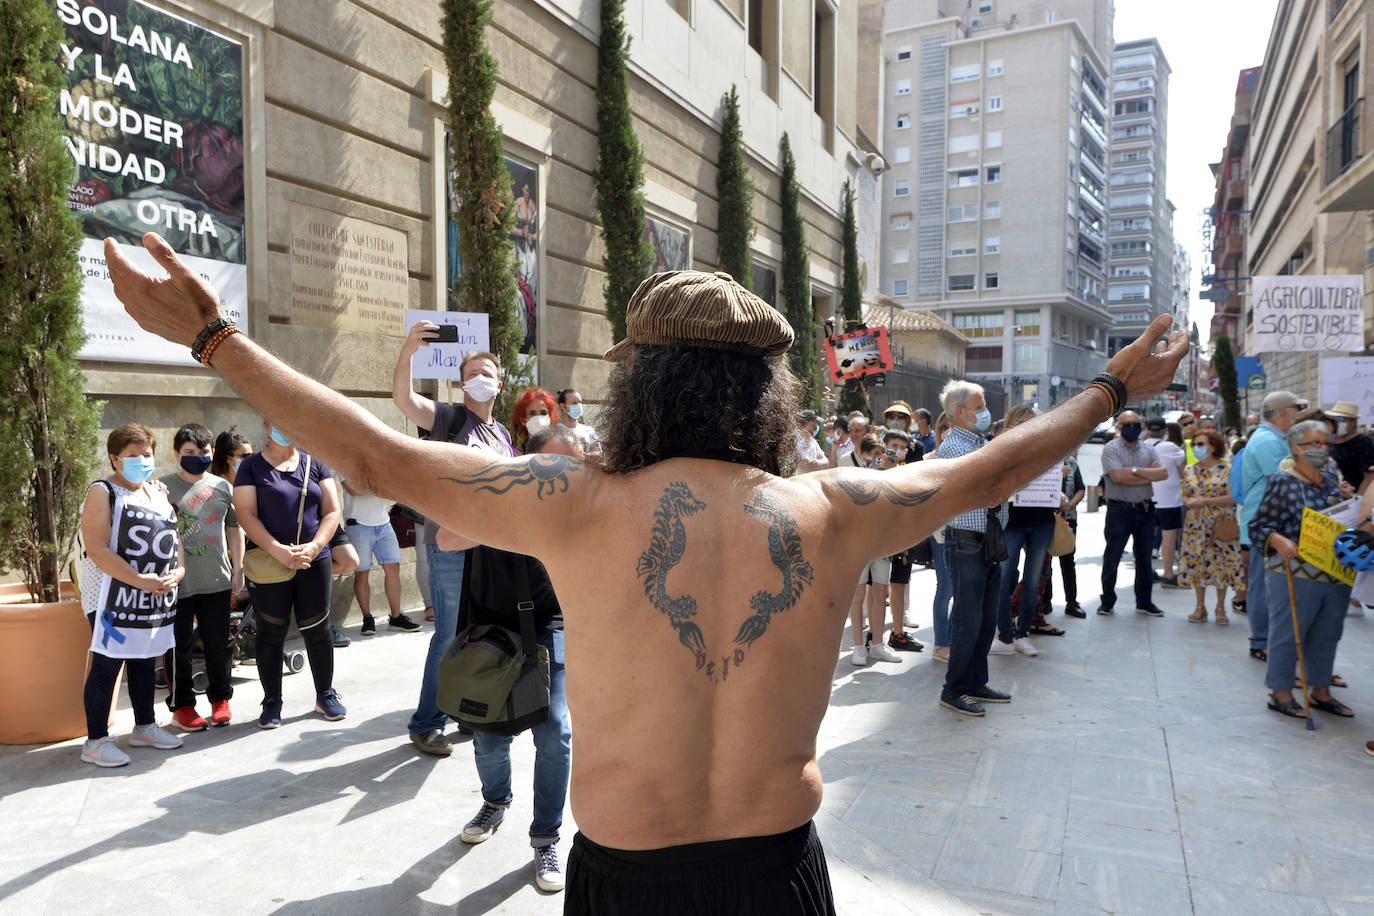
point(279, 496)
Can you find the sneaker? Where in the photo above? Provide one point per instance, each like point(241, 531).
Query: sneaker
point(1025, 646)
point(547, 872)
point(369, 626)
point(402, 622)
point(881, 653)
point(986, 694)
point(859, 657)
point(1105, 610)
point(339, 636)
point(327, 704)
point(189, 719)
point(432, 742)
point(1356, 609)
point(219, 713)
point(481, 827)
point(961, 704)
point(1075, 610)
point(904, 642)
point(103, 753)
point(271, 713)
point(153, 736)
point(1151, 610)
point(1000, 647)
point(909, 623)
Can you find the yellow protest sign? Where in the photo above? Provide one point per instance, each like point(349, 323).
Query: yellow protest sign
point(1317, 544)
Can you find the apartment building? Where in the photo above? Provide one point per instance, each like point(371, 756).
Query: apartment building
point(1230, 217)
point(1311, 181)
point(994, 123)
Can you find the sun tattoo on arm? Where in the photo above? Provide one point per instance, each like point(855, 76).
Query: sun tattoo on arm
point(865, 490)
point(667, 542)
point(785, 549)
point(549, 472)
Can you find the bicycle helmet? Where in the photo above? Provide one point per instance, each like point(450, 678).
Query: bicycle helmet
point(1355, 549)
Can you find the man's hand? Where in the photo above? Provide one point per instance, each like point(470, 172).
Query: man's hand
point(176, 307)
point(1148, 364)
point(1283, 546)
point(418, 337)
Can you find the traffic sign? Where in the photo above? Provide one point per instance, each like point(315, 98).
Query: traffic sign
point(1257, 382)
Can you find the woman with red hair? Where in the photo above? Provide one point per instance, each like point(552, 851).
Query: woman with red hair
point(535, 409)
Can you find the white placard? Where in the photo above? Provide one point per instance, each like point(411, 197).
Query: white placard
point(1044, 492)
point(441, 360)
point(1296, 314)
point(1349, 379)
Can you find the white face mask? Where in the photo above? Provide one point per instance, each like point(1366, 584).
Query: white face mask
point(537, 423)
point(481, 388)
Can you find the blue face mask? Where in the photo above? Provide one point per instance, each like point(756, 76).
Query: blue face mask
point(279, 438)
point(575, 411)
point(1200, 452)
point(982, 420)
point(1130, 431)
point(136, 470)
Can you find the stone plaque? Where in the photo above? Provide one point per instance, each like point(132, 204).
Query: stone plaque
point(346, 273)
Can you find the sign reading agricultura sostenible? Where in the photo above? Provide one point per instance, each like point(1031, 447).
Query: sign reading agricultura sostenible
point(154, 115)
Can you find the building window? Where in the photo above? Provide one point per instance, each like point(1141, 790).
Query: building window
point(962, 251)
point(994, 139)
point(904, 52)
point(963, 109)
point(994, 174)
point(899, 287)
point(901, 255)
point(902, 154)
point(1134, 106)
point(900, 223)
point(994, 103)
point(960, 282)
point(964, 144)
point(992, 209)
point(904, 87)
point(983, 359)
point(963, 214)
point(901, 187)
point(1027, 322)
point(903, 121)
point(682, 7)
point(992, 244)
point(963, 178)
point(1027, 358)
point(994, 68)
point(990, 281)
point(985, 7)
point(963, 74)
point(978, 324)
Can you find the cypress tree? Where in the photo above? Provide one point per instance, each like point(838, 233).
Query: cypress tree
point(1224, 365)
point(486, 212)
point(795, 286)
point(619, 170)
point(735, 196)
point(47, 427)
point(853, 396)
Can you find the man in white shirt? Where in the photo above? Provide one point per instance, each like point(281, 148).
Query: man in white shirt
point(570, 415)
point(809, 455)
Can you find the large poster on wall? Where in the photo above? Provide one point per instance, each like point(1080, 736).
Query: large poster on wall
point(154, 125)
point(668, 245)
point(524, 182)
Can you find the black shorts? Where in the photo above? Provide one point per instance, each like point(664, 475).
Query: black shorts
point(761, 876)
point(901, 569)
point(340, 538)
point(1169, 519)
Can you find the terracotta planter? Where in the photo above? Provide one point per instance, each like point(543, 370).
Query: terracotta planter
point(43, 650)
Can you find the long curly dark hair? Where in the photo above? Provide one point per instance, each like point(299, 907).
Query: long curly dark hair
point(694, 402)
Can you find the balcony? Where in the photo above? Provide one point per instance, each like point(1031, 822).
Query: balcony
point(1233, 251)
point(1349, 172)
point(1343, 142)
point(1087, 249)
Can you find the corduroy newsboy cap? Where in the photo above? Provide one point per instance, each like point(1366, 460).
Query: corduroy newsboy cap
point(689, 308)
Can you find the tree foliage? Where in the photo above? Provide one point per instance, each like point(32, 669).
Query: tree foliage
point(47, 427)
point(1224, 365)
point(486, 211)
point(619, 170)
point(796, 282)
point(853, 396)
point(735, 196)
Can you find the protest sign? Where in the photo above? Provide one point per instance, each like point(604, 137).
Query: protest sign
point(1317, 544)
point(1043, 492)
point(1296, 314)
point(1349, 379)
point(442, 360)
point(858, 353)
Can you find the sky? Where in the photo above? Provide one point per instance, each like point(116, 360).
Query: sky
point(1207, 43)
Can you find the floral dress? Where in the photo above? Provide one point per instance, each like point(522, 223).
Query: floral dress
point(1202, 562)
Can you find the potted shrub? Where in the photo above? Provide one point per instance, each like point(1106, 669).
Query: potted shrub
point(47, 427)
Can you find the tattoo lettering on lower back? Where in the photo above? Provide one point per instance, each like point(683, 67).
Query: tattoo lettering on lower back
point(865, 490)
point(548, 472)
point(667, 542)
point(785, 549)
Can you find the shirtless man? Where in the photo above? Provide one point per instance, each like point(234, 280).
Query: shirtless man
point(695, 777)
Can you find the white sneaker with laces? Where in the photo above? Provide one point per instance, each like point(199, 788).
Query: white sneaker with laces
point(481, 827)
point(859, 657)
point(880, 652)
point(103, 753)
point(153, 736)
point(1001, 648)
point(548, 875)
point(1024, 646)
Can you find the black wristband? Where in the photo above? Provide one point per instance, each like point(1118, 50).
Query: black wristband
point(1116, 386)
point(204, 337)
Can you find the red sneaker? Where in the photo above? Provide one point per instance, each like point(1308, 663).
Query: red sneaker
point(189, 719)
point(219, 713)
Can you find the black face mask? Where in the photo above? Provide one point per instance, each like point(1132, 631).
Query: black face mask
point(1130, 431)
point(195, 464)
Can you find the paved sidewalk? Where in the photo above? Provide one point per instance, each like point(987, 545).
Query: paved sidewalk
point(1137, 771)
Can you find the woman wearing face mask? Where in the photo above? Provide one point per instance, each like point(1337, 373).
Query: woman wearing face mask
point(1204, 562)
point(231, 447)
point(534, 410)
point(129, 582)
point(1322, 601)
point(212, 542)
point(288, 508)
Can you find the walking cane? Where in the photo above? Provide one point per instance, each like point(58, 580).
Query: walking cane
point(1297, 638)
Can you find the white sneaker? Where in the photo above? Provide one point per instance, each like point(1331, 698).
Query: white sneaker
point(153, 736)
point(909, 623)
point(481, 827)
point(859, 657)
point(1356, 609)
point(1001, 648)
point(883, 653)
point(103, 753)
point(1024, 646)
point(547, 873)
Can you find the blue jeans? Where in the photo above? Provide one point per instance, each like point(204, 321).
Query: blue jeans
point(1257, 597)
point(1321, 618)
point(974, 617)
point(1036, 542)
point(552, 756)
point(446, 588)
point(944, 591)
point(1138, 524)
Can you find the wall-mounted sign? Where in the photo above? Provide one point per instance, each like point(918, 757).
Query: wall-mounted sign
point(347, 273)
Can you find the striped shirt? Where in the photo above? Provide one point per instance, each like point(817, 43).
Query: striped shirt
point(959, 442)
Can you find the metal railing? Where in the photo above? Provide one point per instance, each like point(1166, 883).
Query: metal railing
point(1343, 141)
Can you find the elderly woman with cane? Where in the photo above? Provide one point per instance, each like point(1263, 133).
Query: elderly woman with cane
point(1307, 605)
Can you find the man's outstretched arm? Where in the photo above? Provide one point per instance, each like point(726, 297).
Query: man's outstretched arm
point(464, 490)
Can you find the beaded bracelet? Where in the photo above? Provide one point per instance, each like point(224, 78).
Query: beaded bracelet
point(203, 338)
point(220, 337)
